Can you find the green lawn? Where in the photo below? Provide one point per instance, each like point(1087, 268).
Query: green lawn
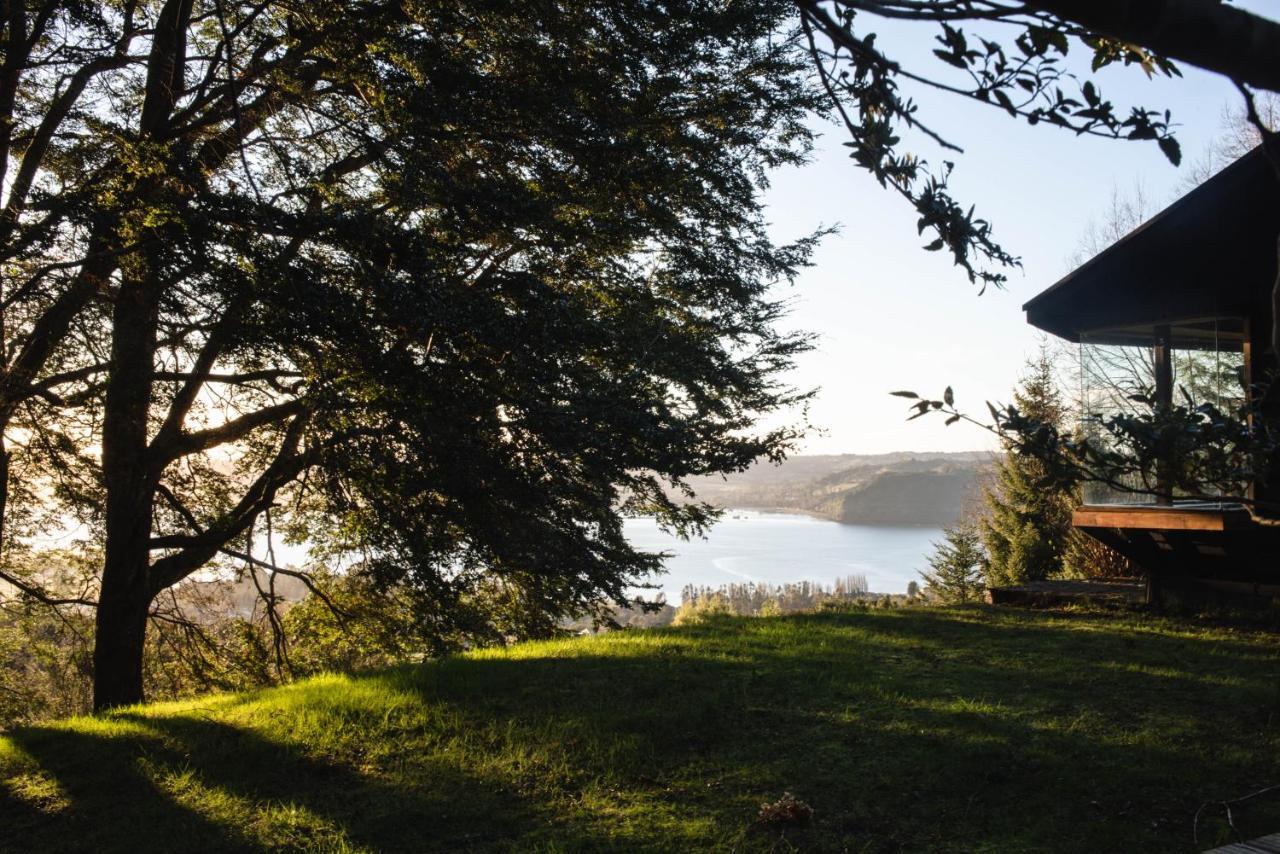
point(913, 729)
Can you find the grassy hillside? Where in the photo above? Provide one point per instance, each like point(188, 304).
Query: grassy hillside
point(968, 729)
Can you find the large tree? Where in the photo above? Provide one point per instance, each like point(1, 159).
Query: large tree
point(448, 286)
point(443, 288)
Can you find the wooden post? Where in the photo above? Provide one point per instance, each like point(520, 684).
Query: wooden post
point(1164, 401)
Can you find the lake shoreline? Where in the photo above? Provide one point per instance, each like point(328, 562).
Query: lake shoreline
point(814, 514)
point(752, 545)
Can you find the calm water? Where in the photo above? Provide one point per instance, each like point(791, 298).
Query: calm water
point(780, 548)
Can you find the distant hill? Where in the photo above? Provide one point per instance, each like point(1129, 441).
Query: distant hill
point(905, 488)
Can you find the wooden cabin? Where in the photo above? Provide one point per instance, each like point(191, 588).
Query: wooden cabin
point(1183, 301)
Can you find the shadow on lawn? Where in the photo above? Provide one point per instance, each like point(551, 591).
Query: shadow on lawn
point(921, 730)
point(112, 783)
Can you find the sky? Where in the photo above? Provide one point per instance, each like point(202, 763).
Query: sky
point(890, 315)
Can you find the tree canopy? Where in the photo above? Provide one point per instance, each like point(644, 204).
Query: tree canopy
point(445, 289)
point(442, 288)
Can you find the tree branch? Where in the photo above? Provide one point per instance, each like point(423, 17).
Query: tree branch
point(1207, 33)
point(174, 446)
point(198, 549)
point(41, 595)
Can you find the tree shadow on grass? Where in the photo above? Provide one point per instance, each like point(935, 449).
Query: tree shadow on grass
point(940, 731)
point(997, 736)
point(105, 790)
point(187, 783)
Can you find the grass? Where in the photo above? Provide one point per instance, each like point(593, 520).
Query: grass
point(918, 729)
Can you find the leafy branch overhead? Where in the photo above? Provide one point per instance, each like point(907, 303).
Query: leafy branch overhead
point(1004, 55)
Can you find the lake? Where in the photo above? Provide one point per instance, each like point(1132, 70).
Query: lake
point(781, 547)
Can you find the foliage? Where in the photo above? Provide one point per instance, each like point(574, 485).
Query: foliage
point(1026, 527)
point(762, 599)
point(1008, 57)
point(640, 615)
point(1237, 136)
point(957, 565)
point(450, 287)
point(213, 634)
point(916, 729)
point(1194, 450)
point(446, 289)
point(44, 664)
point(1197, 447)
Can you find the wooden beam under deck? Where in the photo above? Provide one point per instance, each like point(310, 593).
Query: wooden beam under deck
point(1162, 518)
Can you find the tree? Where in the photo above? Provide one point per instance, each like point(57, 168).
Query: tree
point(1237, 136)
point(1026, 526)
point(1125, 211)
point(957, 564)
point(443, 289)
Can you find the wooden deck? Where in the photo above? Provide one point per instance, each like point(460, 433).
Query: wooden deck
point(1191, 517)
point(1184, 543)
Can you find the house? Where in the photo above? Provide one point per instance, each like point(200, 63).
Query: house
point(1181, 306)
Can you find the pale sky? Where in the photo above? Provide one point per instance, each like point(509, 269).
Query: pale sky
point(892, 316)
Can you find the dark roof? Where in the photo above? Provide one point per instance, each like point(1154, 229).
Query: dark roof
point(1210, 253)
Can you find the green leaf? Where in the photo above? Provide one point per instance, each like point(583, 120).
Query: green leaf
point(949, 397)
point(1171, 149)
point(910, 394)
point(1000, 96)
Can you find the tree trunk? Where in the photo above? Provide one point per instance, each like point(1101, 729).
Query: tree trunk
point(4, 487)
point(127, 472)
point(130, 490)
point(119, 634)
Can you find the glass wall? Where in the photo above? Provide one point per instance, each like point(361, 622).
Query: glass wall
point(1120, 373)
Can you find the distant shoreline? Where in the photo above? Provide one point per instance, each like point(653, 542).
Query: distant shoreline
point(814, 514)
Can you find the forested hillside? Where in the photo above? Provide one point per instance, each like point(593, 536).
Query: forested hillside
point(873, 489)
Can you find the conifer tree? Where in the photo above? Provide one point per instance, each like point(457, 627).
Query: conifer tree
point(1027, 527)
point(957, 564)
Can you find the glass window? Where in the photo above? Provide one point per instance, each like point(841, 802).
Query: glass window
point(1118, 375)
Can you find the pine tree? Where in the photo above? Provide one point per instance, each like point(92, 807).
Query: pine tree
point(957, 564)
point(1027, 527)
point(1026, 530)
